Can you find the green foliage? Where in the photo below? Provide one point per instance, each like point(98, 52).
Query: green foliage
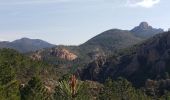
point(121, 89)
point(6, 73)
point(9, 87)
point(64, 91)
point(17, 69)
point(35, 90)
point(166, 96)
point(10, 91)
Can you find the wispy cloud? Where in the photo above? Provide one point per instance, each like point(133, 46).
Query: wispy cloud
point(142, 3)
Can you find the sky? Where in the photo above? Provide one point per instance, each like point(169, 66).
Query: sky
point(72, 22)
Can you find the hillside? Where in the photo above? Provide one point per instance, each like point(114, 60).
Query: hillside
point(148, 60)
point(26, 45)
point(111, 40)
point(20, 77)
point(23, 67)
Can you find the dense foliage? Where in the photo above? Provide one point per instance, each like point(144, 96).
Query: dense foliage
point(17, 69)
point(35, 90)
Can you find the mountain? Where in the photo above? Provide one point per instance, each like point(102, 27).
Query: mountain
point(110, 40)
point(148, 60)
point(116, 39)
point(144, 30)
point(26, 44)
point(104, 44)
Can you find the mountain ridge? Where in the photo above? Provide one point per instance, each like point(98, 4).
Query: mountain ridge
point(148, 60)
point(104, 44)
point(26, 45)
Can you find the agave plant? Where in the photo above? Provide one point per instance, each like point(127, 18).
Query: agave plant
point(70, 89)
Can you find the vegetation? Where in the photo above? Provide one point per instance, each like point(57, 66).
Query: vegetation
point(24, 79)
point(121, 89)
point(35, 90)
point(72, 89)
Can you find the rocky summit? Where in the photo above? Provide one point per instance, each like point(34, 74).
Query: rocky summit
point(144, 30)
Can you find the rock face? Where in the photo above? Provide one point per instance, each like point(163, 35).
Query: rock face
point(144, 30)
point(94, 55)
point(37, 55)
point(63, 54)
point(94, 70)
point(149, 60)
point(144, 26)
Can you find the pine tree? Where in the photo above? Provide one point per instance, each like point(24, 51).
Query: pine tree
point(9, 87)
point(121, 89)
point(35, 90)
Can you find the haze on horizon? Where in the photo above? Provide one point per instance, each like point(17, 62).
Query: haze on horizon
point(72, 22)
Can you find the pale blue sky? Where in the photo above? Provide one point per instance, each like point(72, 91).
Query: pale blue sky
point(73, 22)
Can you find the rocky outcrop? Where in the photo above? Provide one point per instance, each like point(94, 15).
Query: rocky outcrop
point(37, 55)
point(144, 30)
point(95, 70)
point(94, 55)
point(63, 54)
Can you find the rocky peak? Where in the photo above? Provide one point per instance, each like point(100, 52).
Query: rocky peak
point(63, 54)
point(144, 30)
point(144, 25)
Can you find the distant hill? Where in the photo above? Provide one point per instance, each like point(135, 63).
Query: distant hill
point(26, 45)
point(144, 30)
point(111, 40)
point(148, 60)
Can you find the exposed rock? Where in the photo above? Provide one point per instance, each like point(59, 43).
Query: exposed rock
point(37, 55)
point(63, 54)
point(96, 54)
point(144, 25)
point(144, 30)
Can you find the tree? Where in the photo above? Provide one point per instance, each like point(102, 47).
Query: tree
point(121, 89)
point(35, 90)
point(9, 87)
